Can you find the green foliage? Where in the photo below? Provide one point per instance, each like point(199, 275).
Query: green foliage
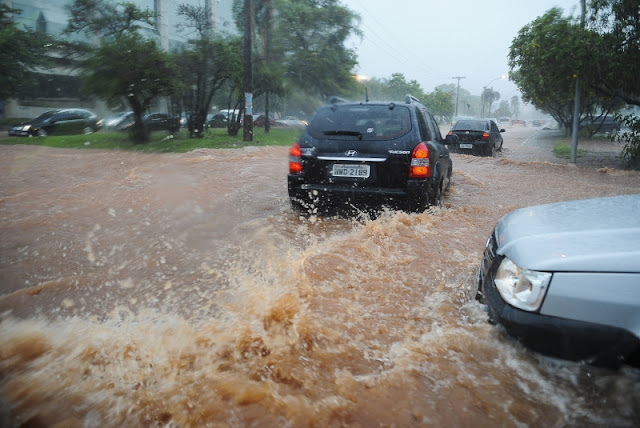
point(307, 38)
point(488, 97)
point(22, 51)
point(395, 88)
point(503, 109)
point(631, 139)
point(544, 60)
point(149, 73)
point(106, 18)
point(125, 65)
point(616, 48)
point(159, 142)
point(440, 103)
point(563, 151)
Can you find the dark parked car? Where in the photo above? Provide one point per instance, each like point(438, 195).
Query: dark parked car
point(602, 124)
point(218, 120)
point(116, 122)
point(59, 122)
point(162, 122)
point(477, 136)
point(564, 279)
point(363, 153)
point(261, 120)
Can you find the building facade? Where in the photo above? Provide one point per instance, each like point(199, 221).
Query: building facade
point(59, 87)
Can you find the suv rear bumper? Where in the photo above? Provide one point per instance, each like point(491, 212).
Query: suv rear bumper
point(330, 192)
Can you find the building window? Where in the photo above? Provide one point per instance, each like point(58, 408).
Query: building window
point(41, 24)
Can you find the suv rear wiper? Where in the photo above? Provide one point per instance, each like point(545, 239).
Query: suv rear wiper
point(350, 133)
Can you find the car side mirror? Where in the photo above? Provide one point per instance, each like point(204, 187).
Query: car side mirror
point(451, 139)
point(503, 130)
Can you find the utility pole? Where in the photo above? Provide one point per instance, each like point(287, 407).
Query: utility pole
point(247, 130)
point(576, 101)
point(458, 91)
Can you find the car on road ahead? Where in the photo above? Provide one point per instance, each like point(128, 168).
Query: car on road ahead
point(59, 122)
point(477, 136)
point(388, 153)
point(564, 279)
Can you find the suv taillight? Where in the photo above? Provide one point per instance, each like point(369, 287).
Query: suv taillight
point(485, 135)
point(295, 159)
point(420, 166)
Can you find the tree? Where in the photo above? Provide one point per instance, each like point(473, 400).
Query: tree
point(615, 48)
point(307, 37)
point(149, 72)
point(488, 97)
point(205, 66)
point(394, 88)
point(503, 109)
point(544, 60)
point(515, 106)
point(23, 51)
point(440, 103)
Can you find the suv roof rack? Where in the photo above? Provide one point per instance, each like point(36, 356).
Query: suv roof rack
point(411, 99)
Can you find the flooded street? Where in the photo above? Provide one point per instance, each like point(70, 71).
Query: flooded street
point(182, 290)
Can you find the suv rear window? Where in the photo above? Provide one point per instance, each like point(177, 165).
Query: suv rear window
point(365, 122)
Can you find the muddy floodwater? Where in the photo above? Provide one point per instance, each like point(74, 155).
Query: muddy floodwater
point(181, 290)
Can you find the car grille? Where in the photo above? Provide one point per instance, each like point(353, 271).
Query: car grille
point(488, 258)
point(490, 252)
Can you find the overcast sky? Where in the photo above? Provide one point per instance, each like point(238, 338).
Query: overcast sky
point(431, 41)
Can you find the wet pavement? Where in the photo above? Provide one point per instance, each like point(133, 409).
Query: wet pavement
point(182, 290)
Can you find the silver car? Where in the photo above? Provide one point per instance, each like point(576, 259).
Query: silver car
point(564, 279)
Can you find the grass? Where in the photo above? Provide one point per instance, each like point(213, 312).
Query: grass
point(161, 142)
point(563, 151)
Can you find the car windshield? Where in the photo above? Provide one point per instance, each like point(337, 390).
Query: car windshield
point(45, 116)
point(366, 122)
point(471, 125)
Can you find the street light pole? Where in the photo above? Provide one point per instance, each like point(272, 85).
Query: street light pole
point(458, 92)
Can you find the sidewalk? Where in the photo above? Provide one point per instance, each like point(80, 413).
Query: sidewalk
point(592, 153)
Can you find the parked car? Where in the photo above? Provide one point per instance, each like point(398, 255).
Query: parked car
point(601, 124)
point(218, 120)
point(291, 121)
point(117, 121)
point(504, 121)
point(58, 122)
point(477, 136)
point(564, 279)
point(363, 153)
point(162, 122)
point(261, 120)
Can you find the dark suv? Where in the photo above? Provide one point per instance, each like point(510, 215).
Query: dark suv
point(362, 153)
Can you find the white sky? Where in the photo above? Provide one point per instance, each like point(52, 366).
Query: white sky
point(431, 41)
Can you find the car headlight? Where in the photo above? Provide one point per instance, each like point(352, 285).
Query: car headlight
point(26, 127)
point(522, 288)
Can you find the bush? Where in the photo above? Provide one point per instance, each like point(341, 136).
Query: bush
point(631, 139)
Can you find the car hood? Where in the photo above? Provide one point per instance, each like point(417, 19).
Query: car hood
point(594, 235)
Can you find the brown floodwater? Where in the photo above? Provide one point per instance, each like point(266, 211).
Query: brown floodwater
point(181, 290)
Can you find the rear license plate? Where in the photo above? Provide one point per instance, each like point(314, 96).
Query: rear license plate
point(358, 171)
point(466, 146)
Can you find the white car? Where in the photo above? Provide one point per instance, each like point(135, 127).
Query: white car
point(291, 121)
point(564, 279)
